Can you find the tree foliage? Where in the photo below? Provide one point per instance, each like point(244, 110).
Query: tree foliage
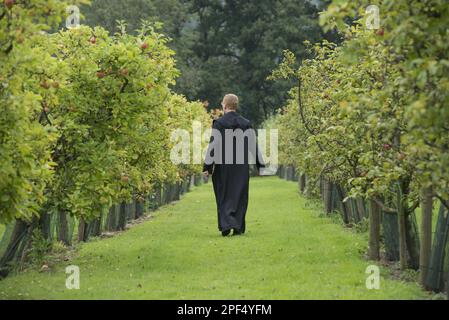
point(373, 111)
point(25, 145)
point(224, 46)
point(86, 116)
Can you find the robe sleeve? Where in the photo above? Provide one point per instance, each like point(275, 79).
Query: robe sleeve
point(208, 163)
point(259, 158)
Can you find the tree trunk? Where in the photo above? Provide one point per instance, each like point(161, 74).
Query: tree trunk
point(390, 229)
point(374, 231)
point(327, 194)
point(188, 183)
point(435, 275)
point(402, 229)
point(412, 241)
point(198, 180)
point(140, 208)
point(302, 183)
point(63, 228)
point(18, 242)
point(111, 221)
point(94, 228)
point(122, 217)
point(131, 211)
point(356, 214)
point(426, 232)
point(82, 230)
point(361, 208)
point(178, 191)
point(192, 181)
point(344, 205)
point(45, 225)
point(291, 173)
point(165, 193)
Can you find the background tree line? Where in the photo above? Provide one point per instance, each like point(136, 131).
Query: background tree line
point(224, 45)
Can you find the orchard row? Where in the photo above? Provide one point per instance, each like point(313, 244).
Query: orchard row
point(85, 117)
point(369, 120)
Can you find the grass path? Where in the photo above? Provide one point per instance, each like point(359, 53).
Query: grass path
point(289, 252)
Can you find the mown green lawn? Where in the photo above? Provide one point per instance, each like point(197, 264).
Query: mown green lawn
point(289, 252)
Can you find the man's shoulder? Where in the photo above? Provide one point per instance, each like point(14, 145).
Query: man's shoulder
point(244, 119)
point(232, 120)
point(245, 123)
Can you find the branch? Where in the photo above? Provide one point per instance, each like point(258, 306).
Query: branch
point(125, 84)
point(384, 207)
point(414, 207)
point(301, 109)
point(45, 113)
point(444, 202)
point(303, 118)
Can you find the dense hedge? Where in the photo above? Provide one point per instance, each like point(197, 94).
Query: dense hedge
point(85, 127)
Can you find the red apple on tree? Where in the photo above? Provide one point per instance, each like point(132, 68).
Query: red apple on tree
point(144, 46)
point(45, 84)
point(401, 156)
point(9, 3)
point(93, 40)
point(101, 74)
point(124, 72)
point(387, 146)
point(380, 32)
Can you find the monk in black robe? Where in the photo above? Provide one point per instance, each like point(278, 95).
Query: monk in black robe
point(232, 148)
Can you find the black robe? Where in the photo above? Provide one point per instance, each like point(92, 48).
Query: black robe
point(231, 181)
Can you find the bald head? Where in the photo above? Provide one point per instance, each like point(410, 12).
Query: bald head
point(230, 102)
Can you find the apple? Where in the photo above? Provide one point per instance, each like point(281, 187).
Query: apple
point(9, 3)
point(149, 86)
point(144, 46)
point(387, 146)
point(101, 74)
point(93, 40)
point(401, 156)
point(46, 110)
point(124, 72)
point(125, 178)
point(380, 32)
point(55, 84)
point(45, 84)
